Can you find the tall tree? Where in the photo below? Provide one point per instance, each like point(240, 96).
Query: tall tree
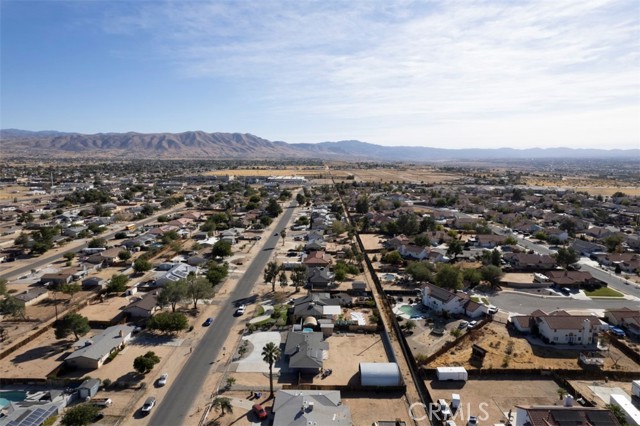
point(72, 323)
point(299, 277)
point(217, 272)
point(492, 274)
point(223, 405)
point(80, 415)
point(566, 256)
point(270, 354)
point(221, 249)
point(271, 274)
point(282, 278)
point(173, 293)
point(448, 276)
point(283, 234)
point(118, 283)
point(145, 363)
point(454, 249)
point(199, 288)
point(168, 322)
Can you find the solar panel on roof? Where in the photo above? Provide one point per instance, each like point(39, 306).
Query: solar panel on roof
point(566, 416)
point(35, 417)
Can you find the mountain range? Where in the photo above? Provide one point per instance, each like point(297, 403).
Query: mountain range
point(198, 144)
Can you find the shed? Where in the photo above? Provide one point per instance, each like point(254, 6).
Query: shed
point(380, 374)
point(88, 388)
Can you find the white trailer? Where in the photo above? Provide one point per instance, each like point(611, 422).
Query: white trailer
point(635, 388)
point(451, 373)
point(631, 413)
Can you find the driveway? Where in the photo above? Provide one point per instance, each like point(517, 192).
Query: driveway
point(253, 363)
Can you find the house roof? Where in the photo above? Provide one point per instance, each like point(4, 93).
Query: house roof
point(569, 416)
point(32, 293)
point(147, 303)
point(303, 408)
point(622, 313)
point(564, 321)
point(439, 293)
point(101, 344)
point(305, 350)
point(316, 258)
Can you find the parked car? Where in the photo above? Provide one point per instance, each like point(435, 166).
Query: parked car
point(472, 324)
point(207, 322)
point(492, 310)
point(240, 310)
point(149, 403)
point(616, 331)
point(463, 324)
point(444, 411)
point(259, 411)
point(566, 291)
point(473, 421)
point(163, 379)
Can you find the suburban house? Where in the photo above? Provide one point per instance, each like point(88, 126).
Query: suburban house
point(560, 327)
point(93, 282)
point(628, 262)
point(626, 318)
point(311, 407)
point(530, 262)
point(313, 305)
point(316, 259)
point(319, 278)
point(93, 352)
point(587, 248)
point(571, 279)
point(442, 300)
point(306, 351)
point(489, 241)
point(33, 296)
point(109, 256)
point(556, 415)
point(413, 252)
point(57, 278)
point(178, 271)
point(144, 307)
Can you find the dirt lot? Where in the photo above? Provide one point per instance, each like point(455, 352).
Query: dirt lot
point(495, 338)
point(372, 241)
point(584, 388)
point(491, 400)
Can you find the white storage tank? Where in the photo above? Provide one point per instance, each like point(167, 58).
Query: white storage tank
point(380, 374)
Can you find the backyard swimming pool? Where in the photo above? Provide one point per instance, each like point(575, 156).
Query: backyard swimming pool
point(411, 311)
point(11, 396)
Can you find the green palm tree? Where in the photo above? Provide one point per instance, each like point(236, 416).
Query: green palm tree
point(270, 354)
point(223, 405)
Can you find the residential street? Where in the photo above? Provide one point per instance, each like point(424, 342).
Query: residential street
point(517, 302)
point(175, 406)
point(75, 246)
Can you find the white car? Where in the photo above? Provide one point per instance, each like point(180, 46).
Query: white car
point(163, 379)
point(472, 324)
point(149, 403)
point(240, 310)
point(492, 310)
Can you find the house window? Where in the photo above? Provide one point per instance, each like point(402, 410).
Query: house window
point(555, 338)
point(579, 338)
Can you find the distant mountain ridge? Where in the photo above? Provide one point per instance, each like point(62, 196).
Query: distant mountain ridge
point(199, 144)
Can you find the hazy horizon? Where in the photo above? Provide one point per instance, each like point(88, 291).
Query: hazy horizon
point(451, 74)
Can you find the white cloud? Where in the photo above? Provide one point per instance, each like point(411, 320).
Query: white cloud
point(531, 73)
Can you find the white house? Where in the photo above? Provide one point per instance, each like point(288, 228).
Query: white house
point(92, 353)
point(562, 328)
point(443, 300)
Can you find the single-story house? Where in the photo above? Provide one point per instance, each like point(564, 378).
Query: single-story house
point(531, 262)
point(571, 279)
point(625, 317)
point(145, 307)
point(177, 272)
point(33, 296)
point(557, 415)
point(93, 352)
point(306, 351)
point(310, 407)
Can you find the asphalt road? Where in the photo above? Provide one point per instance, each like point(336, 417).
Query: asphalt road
point(177, 402)
point(525, 304)
point(45, 260)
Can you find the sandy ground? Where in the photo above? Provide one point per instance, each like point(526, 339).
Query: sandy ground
point(585, 388)
point(495, 338)
point(372, 241)
point(492, 407)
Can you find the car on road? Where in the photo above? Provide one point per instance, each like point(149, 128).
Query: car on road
point(240, 310)
point(207, 322)
point(463, 324)
point(163, 379)
point(259, 411)
point(276, 235)
point(566, 291)
point(149, 403)
point(472, 324)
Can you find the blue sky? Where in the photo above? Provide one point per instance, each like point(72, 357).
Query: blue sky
point(451, 74)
